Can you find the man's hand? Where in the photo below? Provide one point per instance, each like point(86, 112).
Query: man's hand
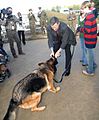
point(58, 53)
point(52, 54)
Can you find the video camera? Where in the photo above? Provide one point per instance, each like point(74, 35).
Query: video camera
point(3, 13)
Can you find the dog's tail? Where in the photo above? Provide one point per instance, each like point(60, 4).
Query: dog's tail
point(11, 112)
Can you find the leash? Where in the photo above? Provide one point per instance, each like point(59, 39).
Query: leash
point(64, 72)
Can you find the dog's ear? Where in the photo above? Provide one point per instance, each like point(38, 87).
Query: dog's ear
point(54, 59)
point(53, 56)
point(39, 64)
point(51, 61)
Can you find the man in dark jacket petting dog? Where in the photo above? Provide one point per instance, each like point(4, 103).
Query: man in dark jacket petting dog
point(60, 37)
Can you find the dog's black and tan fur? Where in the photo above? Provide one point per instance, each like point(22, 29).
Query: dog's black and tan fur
point(27, 92)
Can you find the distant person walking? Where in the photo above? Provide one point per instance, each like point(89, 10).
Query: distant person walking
point(32, 21)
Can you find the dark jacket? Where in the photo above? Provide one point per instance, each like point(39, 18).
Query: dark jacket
point(63, 36)
point(11, 23)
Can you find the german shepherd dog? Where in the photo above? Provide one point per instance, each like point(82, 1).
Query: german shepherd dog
point(27, 92)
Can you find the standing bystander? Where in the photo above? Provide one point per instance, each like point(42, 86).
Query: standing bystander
point(81, 19)
point(90, 36)
point(43, 19)
point(20, 28)
point(32, 21)
point(71, 17)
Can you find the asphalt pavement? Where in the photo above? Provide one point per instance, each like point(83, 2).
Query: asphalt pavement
point(79, 95)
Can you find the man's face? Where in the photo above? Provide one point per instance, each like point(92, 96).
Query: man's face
point(55, 26)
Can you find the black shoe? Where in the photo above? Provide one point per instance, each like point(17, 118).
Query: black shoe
point(24, 43)
point(8, 73)
point(84, 64)
point(22, 53)
point(15, 56)
point(1, 79)
point(81, 60)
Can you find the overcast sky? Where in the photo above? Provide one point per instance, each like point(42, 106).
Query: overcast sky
point(24, 5)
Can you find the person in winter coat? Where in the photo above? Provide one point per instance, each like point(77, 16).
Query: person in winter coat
point(11, 29)
point(90, 36)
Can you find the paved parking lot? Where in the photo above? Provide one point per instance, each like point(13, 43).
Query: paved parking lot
point(79, 95)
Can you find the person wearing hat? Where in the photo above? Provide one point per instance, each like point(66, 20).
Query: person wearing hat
point(90, 37)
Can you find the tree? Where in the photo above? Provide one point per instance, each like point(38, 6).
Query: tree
point(75, 7)
point(53, 9)
point(56, 9)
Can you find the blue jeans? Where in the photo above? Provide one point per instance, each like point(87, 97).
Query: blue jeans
point(84, 51)
point(91, 63)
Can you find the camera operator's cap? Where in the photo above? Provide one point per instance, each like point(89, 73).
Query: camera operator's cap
point(8, 8)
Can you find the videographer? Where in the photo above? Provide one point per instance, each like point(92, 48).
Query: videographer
point(12, 34)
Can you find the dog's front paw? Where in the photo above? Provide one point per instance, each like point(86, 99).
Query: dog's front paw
point(57, 89)
point(37, 109)
point(54, 90)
